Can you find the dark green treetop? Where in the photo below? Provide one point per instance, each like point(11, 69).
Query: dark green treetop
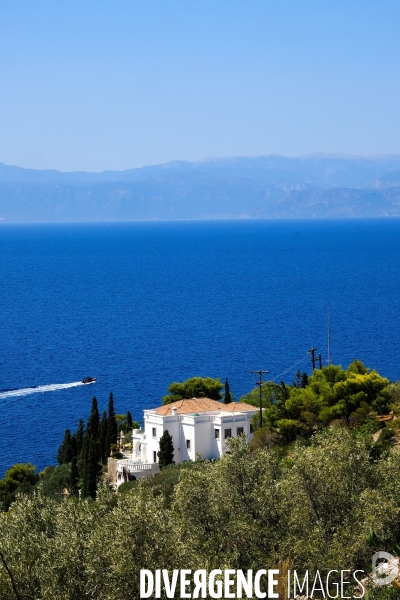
point(66, 450)
point(93, 424)
point(103, 438)
point(166, 451)
point(227, 395)
point(19, 478)
point(330, 394)
point(91, 467)
point(194, 387)
point(112, 433)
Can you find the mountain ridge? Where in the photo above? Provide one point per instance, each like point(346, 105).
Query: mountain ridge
point(271, 186)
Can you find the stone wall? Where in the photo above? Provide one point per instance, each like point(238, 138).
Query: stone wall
point(112, 469)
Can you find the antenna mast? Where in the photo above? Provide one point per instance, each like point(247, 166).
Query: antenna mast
point(329, 333)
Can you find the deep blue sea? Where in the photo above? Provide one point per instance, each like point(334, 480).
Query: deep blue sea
point(139, 305)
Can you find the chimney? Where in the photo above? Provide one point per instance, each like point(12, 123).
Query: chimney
point(174, 411)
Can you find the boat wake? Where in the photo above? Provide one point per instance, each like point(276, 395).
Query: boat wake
point(39, 389)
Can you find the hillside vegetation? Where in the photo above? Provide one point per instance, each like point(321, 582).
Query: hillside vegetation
point(312, 510)
point(333, 394)
point(318, 488)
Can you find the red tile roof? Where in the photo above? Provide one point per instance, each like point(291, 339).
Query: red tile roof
point(198, 405)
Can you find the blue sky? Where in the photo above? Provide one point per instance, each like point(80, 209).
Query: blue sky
point(121, 84)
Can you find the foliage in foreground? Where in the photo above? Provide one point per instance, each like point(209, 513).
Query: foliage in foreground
point(313, 507)
point(19, 479)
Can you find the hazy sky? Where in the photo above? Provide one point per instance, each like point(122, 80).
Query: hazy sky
point(97, 85)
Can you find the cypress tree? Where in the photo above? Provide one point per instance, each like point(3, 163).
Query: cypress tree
point(91, 468)
point(227, 396)
point(90, 463)
point(83, 468)
point(112, 433)
point(103, 438)
point(129, 419)
point(74, 477)
point(93, 424)
point(74, 447)
point(69, 451)
point(166, 451)
point(79, 435)
point(297, 379)
point(61, 448)
point(65, 451)
point(304, 380)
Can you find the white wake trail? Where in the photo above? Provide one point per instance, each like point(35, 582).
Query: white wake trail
point(40, 389)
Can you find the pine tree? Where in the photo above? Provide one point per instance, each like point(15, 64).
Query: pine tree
point(112, 433)
point(129, 419)
point(227, 396)
point(166, 451)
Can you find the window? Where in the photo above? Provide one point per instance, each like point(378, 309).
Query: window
point(239, 430)
point(140, 447)
point(251, 428)
point(154, 456)
point(216, 433)
point(188, 444)
point(228, 433)
point(154, 432)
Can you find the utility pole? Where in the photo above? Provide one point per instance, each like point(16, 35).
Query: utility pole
point(259, 383)
point(312, 352)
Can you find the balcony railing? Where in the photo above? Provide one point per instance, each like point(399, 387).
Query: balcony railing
point(132, 466)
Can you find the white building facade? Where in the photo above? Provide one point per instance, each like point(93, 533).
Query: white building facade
point(199, 426)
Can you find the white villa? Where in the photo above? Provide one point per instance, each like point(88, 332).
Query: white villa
point(197, 426)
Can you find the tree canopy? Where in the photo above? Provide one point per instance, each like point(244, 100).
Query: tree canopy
point(328, 395)
point(315, 507)
point(194, 387)
point(20, 478)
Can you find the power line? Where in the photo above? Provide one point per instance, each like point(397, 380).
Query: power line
point(291, 367)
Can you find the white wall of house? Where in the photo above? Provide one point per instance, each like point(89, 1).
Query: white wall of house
point(192, 434)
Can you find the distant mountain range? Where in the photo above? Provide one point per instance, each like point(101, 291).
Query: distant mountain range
point(317, 185)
